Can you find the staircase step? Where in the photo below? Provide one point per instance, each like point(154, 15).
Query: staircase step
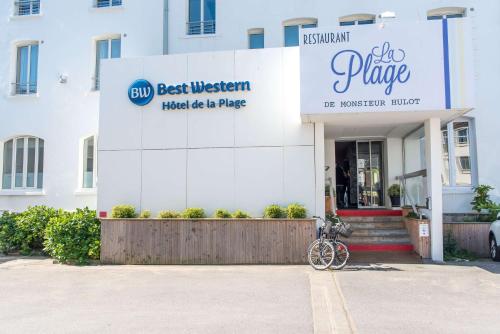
point(389, 248)
point(394, 239)
point(373, 219)
point(369, 212)
point(377, 225)
point(387, 232)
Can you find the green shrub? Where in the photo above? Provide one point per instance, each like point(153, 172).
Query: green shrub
point(193, 213)
point(168, 214)
point(481, 198)
point(145, 214)
point(241, 214)
point(275, 211)
point(394, 190)
point(30, 227)
point(221, 213)
point(123, 211)
point(412, 214)
point(452, 252)
point(8, 232)
point(296, 211)
point(74, 237)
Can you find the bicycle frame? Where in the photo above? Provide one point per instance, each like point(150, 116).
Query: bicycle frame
point(335, 234)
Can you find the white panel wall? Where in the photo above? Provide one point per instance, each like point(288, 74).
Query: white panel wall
point(163, 180)
point(223, 158)
point(211, 178)
point(259, 178)
point(121, 179)
point(173, 125)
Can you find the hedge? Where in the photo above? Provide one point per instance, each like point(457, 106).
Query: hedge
point(8, 241)
point(30, 228)
point(70, 237)
point(74, 237)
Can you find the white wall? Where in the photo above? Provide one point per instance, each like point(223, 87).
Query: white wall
point(233, 159)
point(62, 114)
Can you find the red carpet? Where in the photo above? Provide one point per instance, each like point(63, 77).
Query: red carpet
point(380, 247)
point(369, 213)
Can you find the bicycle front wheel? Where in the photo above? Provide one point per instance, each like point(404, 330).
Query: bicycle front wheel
point(321, 254)
point(341, 255)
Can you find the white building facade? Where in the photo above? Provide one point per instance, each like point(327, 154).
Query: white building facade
point(49, 103)
point(275, 149)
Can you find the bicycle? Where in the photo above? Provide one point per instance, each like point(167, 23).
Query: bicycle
point(328, 251)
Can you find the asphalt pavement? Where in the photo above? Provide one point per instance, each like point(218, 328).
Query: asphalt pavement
point(37, 296)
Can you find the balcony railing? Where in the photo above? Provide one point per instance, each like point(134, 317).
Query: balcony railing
point(201, 27)
point(24, 88)
point(107, 3)
point(27, 7)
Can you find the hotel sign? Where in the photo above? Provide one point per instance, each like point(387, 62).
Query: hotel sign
point(396, 67)
point(141, 92)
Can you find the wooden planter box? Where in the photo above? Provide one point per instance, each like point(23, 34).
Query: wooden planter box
point(421, 245)
point(470, 236)
point(328, 204)
point(206, 241)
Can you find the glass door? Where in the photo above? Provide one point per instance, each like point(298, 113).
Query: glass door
point(370, 173)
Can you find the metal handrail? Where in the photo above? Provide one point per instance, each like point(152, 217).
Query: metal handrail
point(27, 7)
point(402, 179)
point(200, 27)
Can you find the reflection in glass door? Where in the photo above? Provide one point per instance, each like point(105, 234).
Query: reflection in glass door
point(369, 174)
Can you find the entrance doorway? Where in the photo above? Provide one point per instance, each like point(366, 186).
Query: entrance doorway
point(359, 174)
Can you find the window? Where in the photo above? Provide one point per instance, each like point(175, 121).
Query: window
point(292, 29)
point(464, 164)
point(256, 38)
point(387, 15)
point(107, 3)
point(445, 175)
point(105, 49)
point(458, 154)
point(26, 69)
point(26, 7)
point(23, 163)
point(89, 162)
point(201, 17)
point(446, 13)
point(462, 134)
point(357, 19)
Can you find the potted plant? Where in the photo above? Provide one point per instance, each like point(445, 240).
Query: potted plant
point(395, 195)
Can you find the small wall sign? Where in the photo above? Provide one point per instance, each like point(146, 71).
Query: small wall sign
point(424, 230)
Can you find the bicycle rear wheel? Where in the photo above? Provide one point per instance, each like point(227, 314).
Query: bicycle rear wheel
point(320, 254)
point(341, 255)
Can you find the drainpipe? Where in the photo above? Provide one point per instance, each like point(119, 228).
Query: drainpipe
point(165, 27)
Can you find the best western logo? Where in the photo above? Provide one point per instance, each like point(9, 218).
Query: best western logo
point(141, 92)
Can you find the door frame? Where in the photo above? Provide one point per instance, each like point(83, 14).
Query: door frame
point(382, 171)
point(383, 161)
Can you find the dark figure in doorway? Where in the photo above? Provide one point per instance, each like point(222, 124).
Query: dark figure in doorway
point(347, 173)
point(341, 182)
